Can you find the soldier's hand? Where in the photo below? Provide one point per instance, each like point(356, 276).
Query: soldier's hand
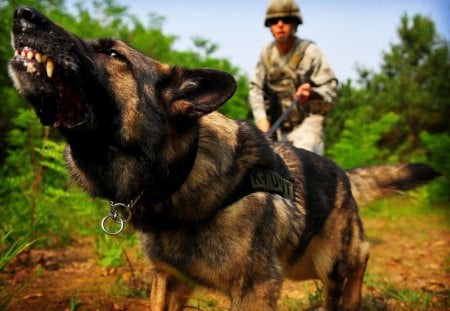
point(263, 125)
point(303, 92)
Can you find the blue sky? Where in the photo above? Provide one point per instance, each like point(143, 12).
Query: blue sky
point(349, 33)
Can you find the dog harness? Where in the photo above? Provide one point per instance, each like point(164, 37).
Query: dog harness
point(261, 179)
point(268, 181)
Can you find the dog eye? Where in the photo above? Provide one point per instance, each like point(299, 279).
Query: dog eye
point(114, 54)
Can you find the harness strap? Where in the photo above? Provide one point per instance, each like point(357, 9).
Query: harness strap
point(261, 180)
point(296, 56)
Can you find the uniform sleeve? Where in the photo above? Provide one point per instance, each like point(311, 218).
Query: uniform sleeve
point(256, 94)
point(321, 75)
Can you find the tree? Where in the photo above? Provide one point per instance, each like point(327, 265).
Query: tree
point(400, 113)
point(413, 83)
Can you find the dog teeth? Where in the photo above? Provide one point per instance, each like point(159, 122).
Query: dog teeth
point(38, 57)
point(49, 67)
point(30, 54)
point(44, 58)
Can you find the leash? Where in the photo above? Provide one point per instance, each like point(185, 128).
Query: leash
point(283, 116)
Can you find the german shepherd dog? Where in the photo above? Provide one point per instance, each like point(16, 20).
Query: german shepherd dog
point(213, 198)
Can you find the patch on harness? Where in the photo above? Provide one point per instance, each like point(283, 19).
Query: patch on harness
point(269, 181)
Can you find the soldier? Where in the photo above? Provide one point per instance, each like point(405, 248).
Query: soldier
point(289, 68)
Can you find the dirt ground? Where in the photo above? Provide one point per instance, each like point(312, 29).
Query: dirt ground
point(410, 260)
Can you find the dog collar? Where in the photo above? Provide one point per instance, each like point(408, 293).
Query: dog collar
point(120, 213)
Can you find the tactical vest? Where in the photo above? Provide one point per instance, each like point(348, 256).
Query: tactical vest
point(281, 83)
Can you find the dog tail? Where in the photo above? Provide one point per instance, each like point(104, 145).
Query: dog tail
point(372, 182)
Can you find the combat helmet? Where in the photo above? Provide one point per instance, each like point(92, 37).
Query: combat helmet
point(283, 8)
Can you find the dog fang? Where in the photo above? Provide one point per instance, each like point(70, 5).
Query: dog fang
point(49, 67)
point(44, 58)
point(38, 57)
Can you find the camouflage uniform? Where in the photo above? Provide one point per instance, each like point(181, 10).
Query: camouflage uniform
point(276, 79)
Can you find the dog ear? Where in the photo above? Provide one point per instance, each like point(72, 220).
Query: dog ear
point(196, 92)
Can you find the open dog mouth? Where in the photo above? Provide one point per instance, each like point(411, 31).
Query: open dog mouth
point(55, 100)
point(35, 62)
point(50, 82)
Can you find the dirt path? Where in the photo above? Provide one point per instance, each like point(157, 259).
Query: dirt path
point(409, 269)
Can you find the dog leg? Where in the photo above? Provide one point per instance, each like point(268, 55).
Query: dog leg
point(343, 288)
point(168, 293)
point(158, 291)
point(260, 297)
point(333, 294)
point(351, 299)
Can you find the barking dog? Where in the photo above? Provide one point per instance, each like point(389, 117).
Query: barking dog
point(213, 198)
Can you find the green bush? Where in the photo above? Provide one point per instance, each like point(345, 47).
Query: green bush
point(438, 146)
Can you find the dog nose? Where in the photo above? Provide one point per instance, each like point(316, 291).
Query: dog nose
point(26, 18)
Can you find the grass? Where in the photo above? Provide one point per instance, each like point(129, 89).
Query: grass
point(307, 295)
point(388, 295)
point(405, 231)
point(12, 250)
point(73, 304)
point(411, 204)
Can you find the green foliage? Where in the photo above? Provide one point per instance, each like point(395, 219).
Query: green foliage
point(74, 304)
point(415, 204)
point(109, 251)
point(397, 297)
point(420, 300)
point(414, 82)
point(384, 119)
point(438, 145)
point(17, 189)
point(37, 201)
point(9, 251)
point(205, 45)
point(365, 136)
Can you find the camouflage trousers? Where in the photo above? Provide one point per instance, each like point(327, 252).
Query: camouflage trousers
point(308, 135)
